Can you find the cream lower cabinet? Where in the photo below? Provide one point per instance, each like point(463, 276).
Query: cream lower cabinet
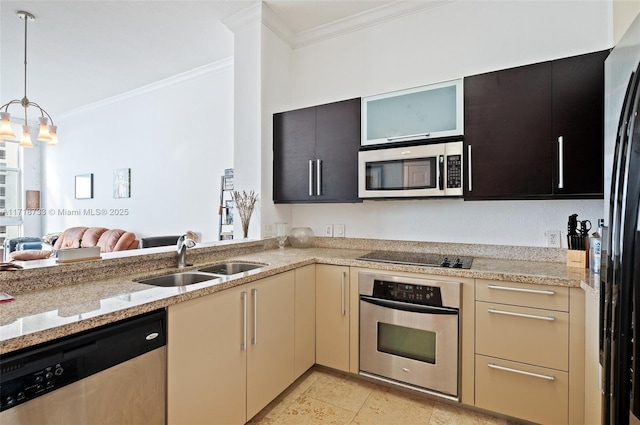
point(230, 353)
point(527, 357)
point(305, 319)
point(207, 366)
point(270, 355)
point(332, 316)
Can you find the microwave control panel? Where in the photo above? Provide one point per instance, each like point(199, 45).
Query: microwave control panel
point(454, 171)
point(416, 294)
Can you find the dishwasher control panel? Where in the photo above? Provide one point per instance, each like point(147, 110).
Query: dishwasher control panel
point(38, 370)
point(33, 383)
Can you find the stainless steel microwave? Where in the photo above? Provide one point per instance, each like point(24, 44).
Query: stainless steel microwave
point(431, 170)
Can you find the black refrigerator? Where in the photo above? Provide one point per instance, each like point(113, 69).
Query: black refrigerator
point(620, 276)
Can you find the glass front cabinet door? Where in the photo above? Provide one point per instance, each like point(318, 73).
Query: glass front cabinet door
point(424, 112)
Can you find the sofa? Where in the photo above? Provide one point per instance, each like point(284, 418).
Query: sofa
point(109, 240)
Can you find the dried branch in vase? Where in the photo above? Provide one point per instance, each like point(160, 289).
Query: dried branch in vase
point(245, 203)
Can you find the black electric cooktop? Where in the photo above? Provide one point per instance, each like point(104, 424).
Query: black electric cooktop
point(419, 259)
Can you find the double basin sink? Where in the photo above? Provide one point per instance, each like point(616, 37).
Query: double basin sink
point(201, 275)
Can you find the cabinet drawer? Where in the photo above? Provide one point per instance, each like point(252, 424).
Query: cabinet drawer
point(533, 336)
point(523, 294)
point(532, 393)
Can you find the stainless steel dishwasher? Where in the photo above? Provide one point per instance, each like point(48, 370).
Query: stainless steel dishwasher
point(114, 374)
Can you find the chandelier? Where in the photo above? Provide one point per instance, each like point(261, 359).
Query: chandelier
point(47, 133)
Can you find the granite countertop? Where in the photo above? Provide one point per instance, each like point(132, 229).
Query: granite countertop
point(52, 311)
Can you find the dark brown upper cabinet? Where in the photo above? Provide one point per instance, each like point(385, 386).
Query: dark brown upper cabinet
point(536, 131)
point(315, 153)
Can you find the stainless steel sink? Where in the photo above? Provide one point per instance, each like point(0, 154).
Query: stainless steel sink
point(178, 279)
point(231, 268)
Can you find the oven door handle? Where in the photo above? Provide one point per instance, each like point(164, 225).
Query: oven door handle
point(413, 308)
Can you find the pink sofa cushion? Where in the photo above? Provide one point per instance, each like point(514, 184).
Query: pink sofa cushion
point(29, 254)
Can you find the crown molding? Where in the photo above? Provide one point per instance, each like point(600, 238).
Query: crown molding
point(369, 18)
point(190, 75)
point(243, 18)
point(272, 21)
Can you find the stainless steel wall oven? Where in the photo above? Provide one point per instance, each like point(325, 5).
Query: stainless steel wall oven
point(410, 332)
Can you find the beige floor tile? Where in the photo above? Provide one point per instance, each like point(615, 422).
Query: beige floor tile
point(310, 411)
point(274, 409)
point(384, 407)
point(445, 414)
point(340, 391)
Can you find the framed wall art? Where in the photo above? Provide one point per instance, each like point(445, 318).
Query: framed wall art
point(84, 186)
point(33, 199)
point(122, 183)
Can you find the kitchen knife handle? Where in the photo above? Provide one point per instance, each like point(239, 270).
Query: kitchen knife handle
point(560, 162)
point(243, 345)
point(311, 177)
point(469, 168)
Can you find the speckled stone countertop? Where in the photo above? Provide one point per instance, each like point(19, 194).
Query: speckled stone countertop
point(105, 290)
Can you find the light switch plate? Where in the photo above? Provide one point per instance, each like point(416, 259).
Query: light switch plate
point(328, 230)
point(339, 230)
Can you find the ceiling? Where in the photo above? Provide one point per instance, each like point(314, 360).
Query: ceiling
point(81, 52)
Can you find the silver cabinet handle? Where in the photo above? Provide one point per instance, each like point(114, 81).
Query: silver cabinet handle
point(469, 177)
point(530, 291)
point(522, 372)
point(408, 136)
point(560, 162)
point(318, 177)
point(344, 310)
point(528, 316)
point(254, 294)
point(243, 345)
point(310, 177)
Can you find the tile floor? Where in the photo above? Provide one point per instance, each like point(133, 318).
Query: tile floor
point(322, 396)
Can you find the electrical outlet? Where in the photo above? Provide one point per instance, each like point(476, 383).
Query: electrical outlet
point(328, 230)
point(339, 230)
point(553, 238)
point(267, 231)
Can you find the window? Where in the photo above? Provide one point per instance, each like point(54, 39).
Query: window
point(10, 190)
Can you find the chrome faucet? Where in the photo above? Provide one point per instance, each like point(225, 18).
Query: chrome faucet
point(183, 243)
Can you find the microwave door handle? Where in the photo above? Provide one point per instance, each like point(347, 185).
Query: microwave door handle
point(440, 176)
point(413, 308)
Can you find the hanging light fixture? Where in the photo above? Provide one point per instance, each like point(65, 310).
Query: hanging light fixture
point(47, 133)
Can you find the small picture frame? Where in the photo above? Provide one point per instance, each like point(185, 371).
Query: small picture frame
point(229, 212)
point(84, 186)
point(122, 183)
point(33, 199)
point(228, 179)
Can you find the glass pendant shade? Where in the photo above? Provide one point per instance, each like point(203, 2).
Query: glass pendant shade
point(43, 134)
point(6, 132)
point(53, 132)
point(25, 141)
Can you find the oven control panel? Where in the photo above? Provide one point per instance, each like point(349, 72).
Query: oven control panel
point(416, 294)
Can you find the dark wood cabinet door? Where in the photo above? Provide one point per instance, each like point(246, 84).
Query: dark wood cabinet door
point(337, 144)
point(508, 127)
point(293, 147)
point(578, 118)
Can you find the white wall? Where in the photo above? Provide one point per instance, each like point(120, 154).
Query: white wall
point(456, 39)
point(177, 138)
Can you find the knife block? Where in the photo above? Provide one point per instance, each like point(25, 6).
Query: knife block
point(577, 258)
